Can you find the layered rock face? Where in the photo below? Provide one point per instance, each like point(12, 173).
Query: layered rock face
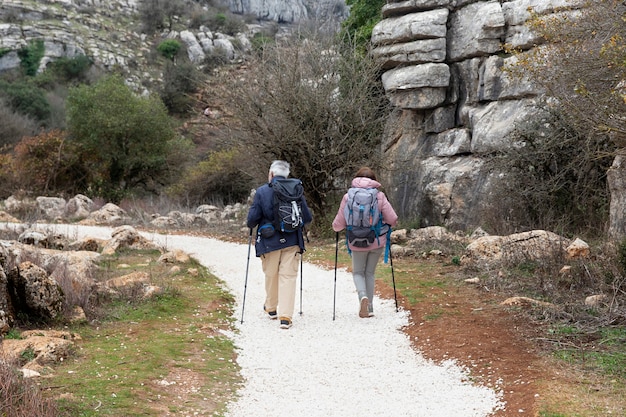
point(454, 102)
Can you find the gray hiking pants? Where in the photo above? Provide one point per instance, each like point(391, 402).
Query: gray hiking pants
point(363, 272)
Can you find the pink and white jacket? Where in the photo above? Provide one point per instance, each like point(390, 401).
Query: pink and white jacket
point(389, 215)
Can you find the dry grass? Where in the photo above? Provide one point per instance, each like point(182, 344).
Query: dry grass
point(21, 397)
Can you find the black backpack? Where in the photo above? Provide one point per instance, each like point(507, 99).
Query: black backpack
point(288, 197)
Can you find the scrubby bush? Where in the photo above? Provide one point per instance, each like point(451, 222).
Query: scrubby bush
point(180, 81)
point(20, 396)
point(553, 177)
point(159, 14)
point(260, 40)
point(70, 69)
point(13, 125)
point(217, 179)
point(30, 57)
point(169, 48)
point(24, 97)
point(583, 65)
point(8, 182)
point(317, 104)
point(226, 22)
point(48, 162)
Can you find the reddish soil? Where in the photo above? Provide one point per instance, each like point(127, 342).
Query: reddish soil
point(466, 324)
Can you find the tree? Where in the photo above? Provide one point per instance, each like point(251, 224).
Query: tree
point(124, 140)
point(316, 103)
point(154, 13)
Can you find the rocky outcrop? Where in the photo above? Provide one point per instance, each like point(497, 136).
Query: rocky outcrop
point(68, 29)
point(454, 102)
point(291, 11)
point(107, 32)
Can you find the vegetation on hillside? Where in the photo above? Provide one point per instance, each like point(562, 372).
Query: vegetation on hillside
point(364, 14)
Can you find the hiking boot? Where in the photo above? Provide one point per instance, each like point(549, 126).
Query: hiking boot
point(272, 314)
point(364, 311)
point(285, 323)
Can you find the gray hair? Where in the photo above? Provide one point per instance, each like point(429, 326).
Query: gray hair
point(280, 168)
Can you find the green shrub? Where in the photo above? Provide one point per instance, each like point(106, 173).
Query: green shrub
point(30, 57)
point(364, 14)
point(179, 83)
point(260, 41)
point(24, 97)
point(124, 139)
point(219, 20)
point(169, 48)
point(68, 69)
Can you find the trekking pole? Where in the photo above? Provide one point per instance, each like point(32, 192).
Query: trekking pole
point(393, 280)
point(335, 288)
point(301, 283)
point(245, 285)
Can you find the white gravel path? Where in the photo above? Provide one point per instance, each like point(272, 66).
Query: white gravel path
point(324, 367)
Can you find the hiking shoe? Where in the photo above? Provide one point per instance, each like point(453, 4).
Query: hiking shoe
point(364, 311)
point(285, 323)
point(272, 314)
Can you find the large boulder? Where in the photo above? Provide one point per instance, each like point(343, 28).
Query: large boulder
point(33, 292)
point(534, 245)
point(127, 237)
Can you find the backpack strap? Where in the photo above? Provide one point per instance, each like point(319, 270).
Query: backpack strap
point(388, 245)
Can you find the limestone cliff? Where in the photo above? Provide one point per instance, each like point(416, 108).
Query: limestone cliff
point(453, 100)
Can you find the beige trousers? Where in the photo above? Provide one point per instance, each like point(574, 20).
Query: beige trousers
point(281, 271)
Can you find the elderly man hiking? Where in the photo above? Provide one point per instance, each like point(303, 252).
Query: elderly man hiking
point(279, 211)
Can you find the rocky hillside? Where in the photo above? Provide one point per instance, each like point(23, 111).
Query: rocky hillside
point(110, 31)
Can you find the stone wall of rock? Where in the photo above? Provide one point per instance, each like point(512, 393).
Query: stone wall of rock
point(453, 100)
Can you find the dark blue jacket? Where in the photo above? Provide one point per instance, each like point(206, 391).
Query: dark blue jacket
point(262, 212)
